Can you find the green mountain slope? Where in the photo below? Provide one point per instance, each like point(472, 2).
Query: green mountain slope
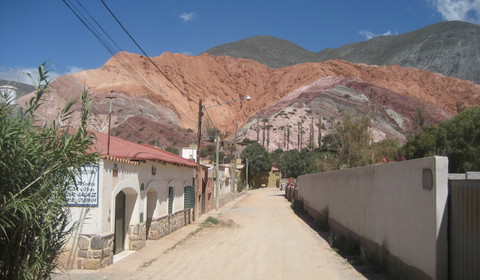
point(449, 48)
point(270, 51)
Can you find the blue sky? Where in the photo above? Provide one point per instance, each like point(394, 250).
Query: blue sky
point(35, 31)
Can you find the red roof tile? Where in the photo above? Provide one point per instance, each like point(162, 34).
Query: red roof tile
point(123, 149)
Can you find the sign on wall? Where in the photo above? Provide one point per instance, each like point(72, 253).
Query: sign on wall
point(84, 191)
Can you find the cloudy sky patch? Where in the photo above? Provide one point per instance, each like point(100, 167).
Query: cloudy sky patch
point(370, 35)
point(21, 75)
point(188, 17)
point(464, 10)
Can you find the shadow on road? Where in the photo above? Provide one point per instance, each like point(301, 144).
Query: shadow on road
point(369, 271)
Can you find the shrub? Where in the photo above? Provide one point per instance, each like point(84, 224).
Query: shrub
point(297, 205)
point(37, 167)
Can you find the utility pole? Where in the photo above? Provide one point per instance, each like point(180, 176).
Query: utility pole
point(199, 168)
point(199, 134)
point(109, 120)
point(246, 175)
point(217, 176)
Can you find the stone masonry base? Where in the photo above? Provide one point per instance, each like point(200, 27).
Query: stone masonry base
point(96, 251)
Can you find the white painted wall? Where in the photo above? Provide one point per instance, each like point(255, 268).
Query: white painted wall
point(101, 220)
point(387, 204)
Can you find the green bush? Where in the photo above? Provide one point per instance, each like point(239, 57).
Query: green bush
point(37, 167)
point(297, 205)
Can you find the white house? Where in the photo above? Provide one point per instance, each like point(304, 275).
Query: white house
point(134, 193)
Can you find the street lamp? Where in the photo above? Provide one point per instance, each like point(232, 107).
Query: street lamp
point(201, 110)
point(246, 172)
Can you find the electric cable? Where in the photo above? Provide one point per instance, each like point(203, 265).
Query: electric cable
point(113, 48)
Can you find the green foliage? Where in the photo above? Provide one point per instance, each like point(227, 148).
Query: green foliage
point(386, 149)
point(211, 220)
point(422, 144)
point(297, 205)
point(352, 140)
point(204, 152)
point(37, 166)
point(259, 159)
point(248, 141)
point(294, 163)
point(457, 138)
point(172, 150)
point(275, 156)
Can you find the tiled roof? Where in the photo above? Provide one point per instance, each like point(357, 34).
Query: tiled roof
point(125, 150)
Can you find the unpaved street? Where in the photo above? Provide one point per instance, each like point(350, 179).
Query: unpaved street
point(261, 238)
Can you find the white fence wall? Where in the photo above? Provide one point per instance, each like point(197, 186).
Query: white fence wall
point(400, 208)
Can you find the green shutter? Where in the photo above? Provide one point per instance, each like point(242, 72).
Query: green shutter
point(189, 197)
point(170, 200)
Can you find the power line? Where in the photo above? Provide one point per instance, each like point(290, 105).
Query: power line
point(143, 51)
point(113, 48)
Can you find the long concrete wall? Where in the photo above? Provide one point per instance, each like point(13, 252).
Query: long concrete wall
point(396, 211)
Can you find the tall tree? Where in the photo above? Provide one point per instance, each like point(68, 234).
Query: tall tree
point(258, 158)
point(268, 135)
point(353, 140)
point(288, 137)
point(320, 127)
point(294, 163)
point(263, 131)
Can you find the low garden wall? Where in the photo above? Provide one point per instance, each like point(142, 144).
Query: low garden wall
point(396, 212)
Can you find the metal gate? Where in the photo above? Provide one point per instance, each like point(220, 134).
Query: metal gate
point(464, 229)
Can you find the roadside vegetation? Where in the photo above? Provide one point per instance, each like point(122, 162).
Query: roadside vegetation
point(38, 164)
point(350, 145)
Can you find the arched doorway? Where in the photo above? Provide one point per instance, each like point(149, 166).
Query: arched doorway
point(119, 238)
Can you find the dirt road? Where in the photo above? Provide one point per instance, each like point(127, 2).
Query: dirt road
point(260, 238)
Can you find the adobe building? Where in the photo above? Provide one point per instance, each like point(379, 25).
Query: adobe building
point(134, 193)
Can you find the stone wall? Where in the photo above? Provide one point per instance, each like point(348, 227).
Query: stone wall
point(137, 236)
point(165, 225)
point(94, 251)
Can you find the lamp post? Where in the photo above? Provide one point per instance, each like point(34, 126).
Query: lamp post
point(201, 110)
point(246, 172)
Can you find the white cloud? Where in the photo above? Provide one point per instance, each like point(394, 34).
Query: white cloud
point(464, 10)
point(187, 17)
point(370, 35)
point(73, 69)
point(21, 75)
point(188, 53)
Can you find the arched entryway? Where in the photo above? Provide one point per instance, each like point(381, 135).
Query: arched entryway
point(119, 238)
point(125, 207)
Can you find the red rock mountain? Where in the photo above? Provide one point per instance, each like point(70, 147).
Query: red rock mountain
point(159, 103)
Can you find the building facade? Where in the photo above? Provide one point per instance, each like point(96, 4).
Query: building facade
point(134, 193)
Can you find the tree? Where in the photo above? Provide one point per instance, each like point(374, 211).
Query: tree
point(259, 159)
point(423, 144)
point(275, 156)
point(352, 138)
point(263, 131)
point(38, 165)
point(459, 139)
point(294, 163)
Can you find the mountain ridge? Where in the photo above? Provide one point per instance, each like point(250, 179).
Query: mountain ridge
point(449, 48)
point(164, 107)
